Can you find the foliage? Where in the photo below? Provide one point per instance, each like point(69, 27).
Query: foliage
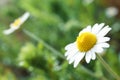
point(57, 23)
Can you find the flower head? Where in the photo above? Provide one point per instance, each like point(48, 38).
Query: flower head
point(89, 41)
point(17, 23)
point(87, 2)
point(111, 12)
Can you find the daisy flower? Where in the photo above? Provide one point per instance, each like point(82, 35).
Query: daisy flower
point(87, 2)
point(111, 12)
point(17, 23)
point(89, 41)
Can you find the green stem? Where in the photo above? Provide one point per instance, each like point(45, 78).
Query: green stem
point(89, 72)
point(44, 43)
point(107, 67)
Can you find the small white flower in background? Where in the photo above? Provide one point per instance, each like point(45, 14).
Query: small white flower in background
point(17, 23)
point(89, 41)
point(87, 2)
point(111, 12)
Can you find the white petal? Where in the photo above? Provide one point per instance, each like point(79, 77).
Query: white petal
point(70, 46)
point(72, 50)
point(96, 28)
point(103, 45)
point(67, 53)
point(88, 29)
point(102, 39)
point(24, 17)
point(104, 31)
point(93, 56)
point(8, 31)
point(71, 60)
point(88, 56)
point(78, 59)
point(98, 49)
point(72, 53)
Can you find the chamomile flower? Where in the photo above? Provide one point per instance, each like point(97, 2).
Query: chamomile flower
point(89, 41)
point(87, 2)
point(111, 12)
point(17, 23)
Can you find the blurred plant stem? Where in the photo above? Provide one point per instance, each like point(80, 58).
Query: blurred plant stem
point(44, 43)
point(91, 73)
point(108, 68)
point(31, 35)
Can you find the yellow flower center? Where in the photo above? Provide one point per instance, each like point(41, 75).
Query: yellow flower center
point(86, 41)
point(17, 22)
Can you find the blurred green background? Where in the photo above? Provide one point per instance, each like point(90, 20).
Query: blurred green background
point(30, 52)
